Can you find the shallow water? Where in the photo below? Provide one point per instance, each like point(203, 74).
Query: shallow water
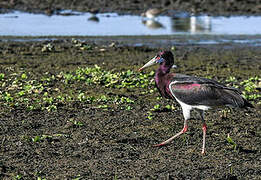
point(112, 24)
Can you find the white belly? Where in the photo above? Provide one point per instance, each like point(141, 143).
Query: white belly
point(187, 106)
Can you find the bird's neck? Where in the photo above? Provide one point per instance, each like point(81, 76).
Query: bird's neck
point(161, 72)
point(162, 79)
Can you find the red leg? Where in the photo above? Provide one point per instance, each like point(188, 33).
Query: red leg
point(204, 128)
point(186, 114)
point(185, 128)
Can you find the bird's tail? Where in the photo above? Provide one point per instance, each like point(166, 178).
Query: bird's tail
point(247, 104)
point(233, 98)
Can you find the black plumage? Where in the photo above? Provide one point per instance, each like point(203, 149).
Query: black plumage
point(206, 92)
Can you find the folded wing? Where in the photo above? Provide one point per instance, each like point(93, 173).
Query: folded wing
point(201, 91)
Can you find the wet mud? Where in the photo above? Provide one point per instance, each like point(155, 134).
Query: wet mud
point(211, 7)
point(79, 138)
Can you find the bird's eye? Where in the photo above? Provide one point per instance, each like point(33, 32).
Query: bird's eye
point(159, 59)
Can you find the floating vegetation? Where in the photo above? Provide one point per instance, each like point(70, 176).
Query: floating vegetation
point(250, 87)
point(96, 76)
point(48, 92)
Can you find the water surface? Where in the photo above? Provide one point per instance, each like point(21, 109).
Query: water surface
point(112, 24)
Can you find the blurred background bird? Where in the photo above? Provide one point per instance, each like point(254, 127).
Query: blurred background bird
point(153, 13)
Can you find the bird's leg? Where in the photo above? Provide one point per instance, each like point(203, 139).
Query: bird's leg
point(186, 114)
point(185, 128)
point(204, 128)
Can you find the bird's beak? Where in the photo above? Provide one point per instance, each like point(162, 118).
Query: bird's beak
point(150, 63)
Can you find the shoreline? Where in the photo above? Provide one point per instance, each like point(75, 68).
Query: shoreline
point(210, 7)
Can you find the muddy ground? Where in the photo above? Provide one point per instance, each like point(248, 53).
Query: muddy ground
point(86, 140)
point(211, 7)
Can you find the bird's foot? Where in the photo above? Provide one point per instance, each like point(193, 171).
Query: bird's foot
point(203, 152)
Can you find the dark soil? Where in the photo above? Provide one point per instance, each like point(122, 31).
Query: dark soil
point(116, 143)
point(211, 7)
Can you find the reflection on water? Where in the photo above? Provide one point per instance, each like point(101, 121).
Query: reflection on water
point(192, 24)
point(112, 24)
point(180, 24)
point(94, 18)
point(152, 24)
point(200, 24)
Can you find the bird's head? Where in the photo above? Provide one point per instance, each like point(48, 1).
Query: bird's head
point(164, 58)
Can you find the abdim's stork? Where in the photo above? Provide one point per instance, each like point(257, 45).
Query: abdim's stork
point(192, 92)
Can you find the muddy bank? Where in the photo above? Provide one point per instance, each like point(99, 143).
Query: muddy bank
point(62, 117)
point(211, 7)
point(160, 41)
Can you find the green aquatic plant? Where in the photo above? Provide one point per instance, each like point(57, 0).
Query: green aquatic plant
point(51, 107)
point(81, 97)
point(51, 91)
point(230, 141)
point(21, 93)
point(96, 76)
point(78, 177)
point(149, 115)
point(24, 76)
point(231, 79)
point(7, 97)
point(128, 108)
point(170, 107)
point(123, 100)
point(2, 75)
point(76, 123)
point(18, 177)
point(156, 107)
point(40, 138)
point(40, 178)
point(36, 139)
point(105, 106)
point(250, 85)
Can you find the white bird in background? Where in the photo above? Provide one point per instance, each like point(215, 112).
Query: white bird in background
point(152, 13)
